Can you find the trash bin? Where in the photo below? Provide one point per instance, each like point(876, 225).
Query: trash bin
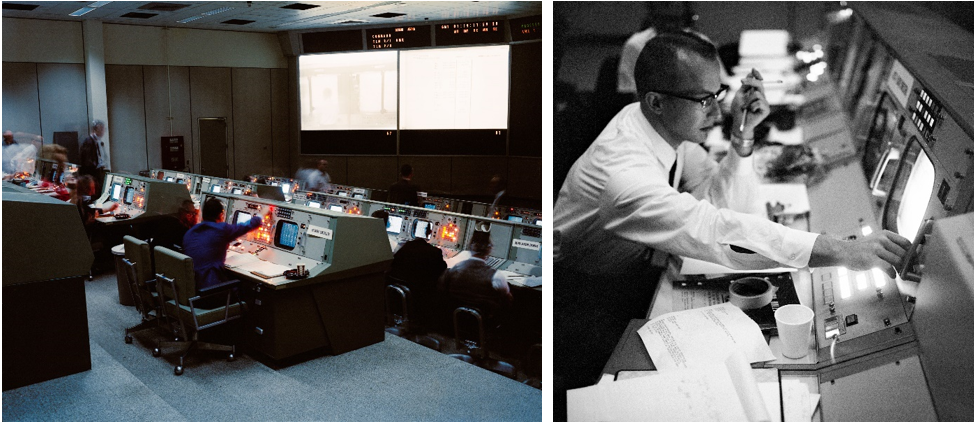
point(125, 295)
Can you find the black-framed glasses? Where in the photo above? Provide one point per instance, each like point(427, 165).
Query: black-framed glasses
point(704, 101)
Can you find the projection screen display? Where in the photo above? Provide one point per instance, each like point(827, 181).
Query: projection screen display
point(455, 88)
point(349, 91)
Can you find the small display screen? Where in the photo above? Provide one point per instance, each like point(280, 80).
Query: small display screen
point(236, 191)
point(335, 207)
point(342, 193)
point(170, 179)
point(314, 204)
point(116, 192)
point(515, 218)
point(421, 229)
point(180, 180)
point(539, 222)
point(129, 194)
point(216, 188)
point(430, 206)
point(286, 187)
point(286, 234)
point(394, 224)
point(358, 196)
point(242, 217)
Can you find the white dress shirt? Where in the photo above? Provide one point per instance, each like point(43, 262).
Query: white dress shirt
point(616, 204)
point(499, 278)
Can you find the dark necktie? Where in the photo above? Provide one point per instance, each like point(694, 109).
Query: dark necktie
point(672, 173)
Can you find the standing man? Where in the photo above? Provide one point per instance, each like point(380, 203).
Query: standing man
point(403, 191)
point(645, 185)
point(92, 160)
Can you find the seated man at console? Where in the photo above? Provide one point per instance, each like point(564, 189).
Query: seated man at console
point(419, 265)
point(207, 242)
point(473, 283)
point(171, 228)
point(403, 191)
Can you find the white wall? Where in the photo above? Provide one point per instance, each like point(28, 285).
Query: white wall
point(33, 40)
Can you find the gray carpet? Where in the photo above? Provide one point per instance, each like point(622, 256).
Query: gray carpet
point(395, 380)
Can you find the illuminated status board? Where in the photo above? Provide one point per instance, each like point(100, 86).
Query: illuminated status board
point(399, 37)
point(528, 28)
point(466, 33)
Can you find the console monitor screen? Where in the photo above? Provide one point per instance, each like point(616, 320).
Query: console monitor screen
point(170, 179)
point(216, 188)
point(917, 192)
point(515, 218)
point(116, 192)
point(236, 191)
point(394, 224)
point(349, 91)
point(430, 206)
point(335, 207)
point(422, 228)
point(455, 88)
point(313, 204)
point(539, 222)
point(286, 187)
point(129, 195)
point(358, 196)
point(286, 234)
point(342, 193)
point(180, 180)
point(242, 217)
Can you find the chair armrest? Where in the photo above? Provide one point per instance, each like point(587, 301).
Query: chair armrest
point(219, 287)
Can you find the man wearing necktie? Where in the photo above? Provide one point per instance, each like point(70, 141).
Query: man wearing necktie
point(645, 185)
point(92, 162)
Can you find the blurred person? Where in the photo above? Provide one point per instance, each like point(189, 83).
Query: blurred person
point(403, 191)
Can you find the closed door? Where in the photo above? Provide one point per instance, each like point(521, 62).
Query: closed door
point(214, 146)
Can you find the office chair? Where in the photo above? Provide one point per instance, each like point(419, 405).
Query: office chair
point(474, 342)
point(532, 366)
point(175, 280)
point(401, 323)
point(142, 284)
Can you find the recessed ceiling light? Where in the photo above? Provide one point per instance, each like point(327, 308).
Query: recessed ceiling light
point(237, 22)
point(388, 15)
point(138, 15)
point(19, 6)
point(300, 6)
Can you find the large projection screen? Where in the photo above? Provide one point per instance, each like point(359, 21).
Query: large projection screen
point(349, 91)
point(455, 88)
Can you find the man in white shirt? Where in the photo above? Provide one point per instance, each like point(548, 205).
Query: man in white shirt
point(644, 185)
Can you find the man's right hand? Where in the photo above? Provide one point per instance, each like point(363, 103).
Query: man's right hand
point(882, 249)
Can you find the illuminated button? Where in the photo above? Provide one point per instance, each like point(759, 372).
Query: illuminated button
point(851, 320)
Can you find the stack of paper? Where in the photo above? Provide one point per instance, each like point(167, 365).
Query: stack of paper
point(800, 404)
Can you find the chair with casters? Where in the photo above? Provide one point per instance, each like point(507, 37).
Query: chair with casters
point(470, 336)
point(532, 366)
point(181, 303)
point(400, 320)
point(142, 284)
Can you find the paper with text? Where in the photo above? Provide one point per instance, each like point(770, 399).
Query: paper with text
point(702, 335)
point(691, 298)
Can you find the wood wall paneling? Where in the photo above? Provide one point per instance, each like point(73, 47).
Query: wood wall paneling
point(211, 96)
point(525, 178)
point(281, 162)
point(471, 174)
point(127, 120)
point(375, 172)
point(252, 149)
point(63, 101)
point(21, 109)
point(432, 173)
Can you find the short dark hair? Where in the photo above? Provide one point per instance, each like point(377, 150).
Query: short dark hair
point(187, 207)
point(212, 209)
point(406, 170)
point(658, 66)
point(480, 243)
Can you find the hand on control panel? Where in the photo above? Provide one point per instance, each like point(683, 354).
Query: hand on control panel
point(882, 249)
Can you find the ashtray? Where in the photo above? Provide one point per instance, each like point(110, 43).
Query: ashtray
point(291, 274)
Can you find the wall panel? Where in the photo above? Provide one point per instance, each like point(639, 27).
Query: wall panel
point(38, 40)
point(127, 119)
point(525, 178)
point(375, 172)
point(280, 124)
point(432, 173)
point(21, 108)
point(251, 99)
point(134, 44)
point(210, 96)
point(63, 105)
point(471, 175)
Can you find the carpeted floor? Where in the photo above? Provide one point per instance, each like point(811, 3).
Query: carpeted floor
point(395, 380)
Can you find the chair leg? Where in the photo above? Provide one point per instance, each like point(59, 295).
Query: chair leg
point(192, 346)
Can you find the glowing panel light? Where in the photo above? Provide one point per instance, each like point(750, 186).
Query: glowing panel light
point(844, 277)
point(862, 281)
point(866, 230)
point(879, 279)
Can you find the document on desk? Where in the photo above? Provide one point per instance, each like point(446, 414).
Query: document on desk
point(237, 259)
point(725, 390)
point(702, 336)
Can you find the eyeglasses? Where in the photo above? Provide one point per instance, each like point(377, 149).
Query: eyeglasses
point(705, 102)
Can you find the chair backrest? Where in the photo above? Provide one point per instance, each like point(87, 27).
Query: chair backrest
point(464, 317)
point(138, 252)
point(179, 268)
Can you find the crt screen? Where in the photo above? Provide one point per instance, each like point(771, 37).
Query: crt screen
point(129, 195)
point(515, 218)
point(242, 217)
point(236, 191)
point(170, 179)
point(421, 229)
point(314, 204)
point(394, 224)
point(341, 193)
point(287, 234)
point(430, 206)
point(216, 188)
point(337, 208)
point(116, 192)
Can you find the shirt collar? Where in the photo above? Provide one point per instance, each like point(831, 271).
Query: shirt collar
point(656, 143)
